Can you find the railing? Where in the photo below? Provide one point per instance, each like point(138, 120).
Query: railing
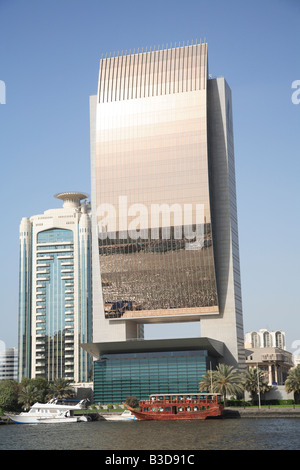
point(178, 401)
point(275, 357)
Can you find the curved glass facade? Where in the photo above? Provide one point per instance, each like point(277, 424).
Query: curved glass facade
point(54, 300)
point(24, 330)
point(152, 185)
point(85, 294)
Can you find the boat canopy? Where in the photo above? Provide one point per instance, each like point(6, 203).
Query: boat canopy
point(202, 394)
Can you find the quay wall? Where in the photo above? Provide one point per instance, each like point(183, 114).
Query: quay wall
point(262, 413)
point(230, 413)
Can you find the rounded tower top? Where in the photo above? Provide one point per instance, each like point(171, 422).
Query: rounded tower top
point(71, 198)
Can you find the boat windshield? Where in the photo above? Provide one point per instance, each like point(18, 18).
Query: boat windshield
point(64, 401)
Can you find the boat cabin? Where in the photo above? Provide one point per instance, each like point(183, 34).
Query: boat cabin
point(180, 403)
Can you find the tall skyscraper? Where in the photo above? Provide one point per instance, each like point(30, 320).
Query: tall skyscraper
point(164, 199)
point(55, 304)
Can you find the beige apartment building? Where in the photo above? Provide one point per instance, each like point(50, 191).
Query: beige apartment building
point(267, 351)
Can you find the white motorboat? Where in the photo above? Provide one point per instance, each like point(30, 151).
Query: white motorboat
point(125, 416)
point(55, 411)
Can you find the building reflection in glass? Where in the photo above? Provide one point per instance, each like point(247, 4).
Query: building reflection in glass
point(152, 149)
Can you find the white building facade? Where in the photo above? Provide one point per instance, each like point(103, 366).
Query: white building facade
point(55, 300)
point(8, 363)
point(267, 350)
point(265, 339)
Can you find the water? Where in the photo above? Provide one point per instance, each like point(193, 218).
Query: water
point(230, 434)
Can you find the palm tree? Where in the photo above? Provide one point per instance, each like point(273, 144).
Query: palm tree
point(292, 383)
point(254, 381)
point(206, 383)
point(60, 388)
point(225, 380)
point(29, 395)
point(38, 382)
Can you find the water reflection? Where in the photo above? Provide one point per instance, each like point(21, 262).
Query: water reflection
point(240, 434)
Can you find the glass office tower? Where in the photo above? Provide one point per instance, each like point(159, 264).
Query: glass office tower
point(55, 311)
point(163, 197)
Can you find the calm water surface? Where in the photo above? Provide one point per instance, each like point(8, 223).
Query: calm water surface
point(231, 434)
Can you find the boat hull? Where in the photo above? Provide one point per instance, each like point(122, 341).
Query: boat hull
point(23, 419)
point(120, 418)
point(150, 416)
point(125, 416)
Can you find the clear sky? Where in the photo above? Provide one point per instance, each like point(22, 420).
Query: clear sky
point(49, 58)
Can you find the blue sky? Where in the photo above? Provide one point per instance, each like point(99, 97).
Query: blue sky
point(49, 58)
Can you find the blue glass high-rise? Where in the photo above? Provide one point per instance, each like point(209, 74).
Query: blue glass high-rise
point(55, 311)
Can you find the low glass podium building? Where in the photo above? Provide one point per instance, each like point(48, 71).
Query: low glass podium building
point(141, 368)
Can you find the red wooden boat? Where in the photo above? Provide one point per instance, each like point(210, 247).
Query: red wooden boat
point(179, 406)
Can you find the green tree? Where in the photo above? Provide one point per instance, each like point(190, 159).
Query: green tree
point(29, 395)
point(60, 388)
point(292, 383)
point(225, 380)
point(132, 401)
point(9, 390)
point(41, 384)
point(206, 383)
point(254, 381)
